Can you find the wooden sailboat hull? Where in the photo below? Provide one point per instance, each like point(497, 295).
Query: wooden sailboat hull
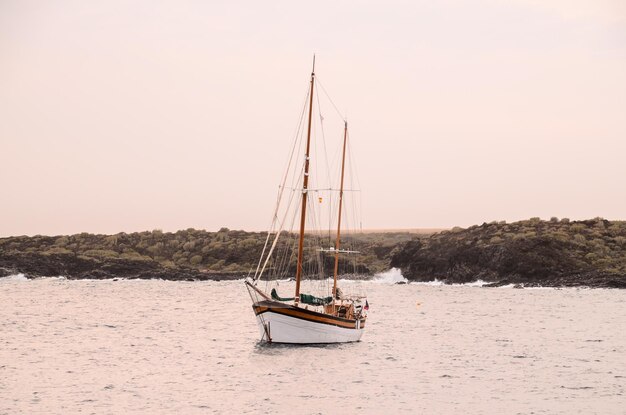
point(283, 323)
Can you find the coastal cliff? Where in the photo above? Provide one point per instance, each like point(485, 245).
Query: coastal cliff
point(529, 253)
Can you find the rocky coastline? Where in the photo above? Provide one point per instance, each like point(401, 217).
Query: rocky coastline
point(555, 253)
point(75, 267)
point(185, 255)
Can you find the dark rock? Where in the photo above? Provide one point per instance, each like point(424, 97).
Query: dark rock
point(528, 253)
point(182, 255)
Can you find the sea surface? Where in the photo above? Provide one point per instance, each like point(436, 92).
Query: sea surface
point(160, 347)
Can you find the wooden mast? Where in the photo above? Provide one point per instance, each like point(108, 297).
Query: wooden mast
point(304, 190)
point(337, 241)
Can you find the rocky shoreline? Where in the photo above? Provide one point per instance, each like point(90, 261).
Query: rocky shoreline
point(73, 267)
point(183, 255)
point(532, 253)
point(527, 253)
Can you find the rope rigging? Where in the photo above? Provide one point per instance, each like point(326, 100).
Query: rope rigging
point(281, 243)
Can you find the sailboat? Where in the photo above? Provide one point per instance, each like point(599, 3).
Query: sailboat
point(334, 316)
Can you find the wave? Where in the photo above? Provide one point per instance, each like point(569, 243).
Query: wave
point(433, 283)
point(15, 277)
point(438, 283)
point(477, 283)
point(393, 276)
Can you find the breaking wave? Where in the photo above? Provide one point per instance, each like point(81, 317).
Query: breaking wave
point(15, 277)
point(393, 276)
point(438, 283)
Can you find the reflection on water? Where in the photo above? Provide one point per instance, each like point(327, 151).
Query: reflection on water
point(276, 348)
point(193, 347)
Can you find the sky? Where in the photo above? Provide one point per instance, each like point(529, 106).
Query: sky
point(139, 115)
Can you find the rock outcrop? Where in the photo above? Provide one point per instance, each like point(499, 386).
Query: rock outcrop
point(532, 253)
point(71, 266)
point(184, 255)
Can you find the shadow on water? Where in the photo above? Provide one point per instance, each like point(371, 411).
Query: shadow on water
point(263, 347)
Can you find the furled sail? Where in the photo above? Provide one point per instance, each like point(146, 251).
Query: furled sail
point(304, 298)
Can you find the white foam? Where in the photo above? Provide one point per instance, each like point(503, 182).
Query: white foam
point(507, 286)
point(393, 276)
point(433, 283)
point(437, 283)
point(477, 283)
point(16, 277)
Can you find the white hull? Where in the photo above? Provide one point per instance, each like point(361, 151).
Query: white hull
point(287, 329)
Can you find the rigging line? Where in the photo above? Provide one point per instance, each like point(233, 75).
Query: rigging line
point(280, 193)
point(315, 220)
point(269, 233)
point(316, 213)
point(281, 263)
point(354, 170)
point(300, 124)
point(297, 137)
point(354, 176)
point(331, 173)
point(295, 177)
point(293, 249)
point(314, 155)
point(277, 236)
point(319, 109)
point(315, 241)
point(322, 190)
point(313, 226)
point(351, 209)
point(289, 253)
point(330, 99)
point(291, 236)
point(269, 255)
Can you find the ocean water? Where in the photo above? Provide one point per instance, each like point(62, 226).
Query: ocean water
point(159, 347)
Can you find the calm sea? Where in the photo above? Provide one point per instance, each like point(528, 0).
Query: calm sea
point(158, 347)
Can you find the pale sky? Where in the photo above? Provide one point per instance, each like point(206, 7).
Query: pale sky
point(137, 115)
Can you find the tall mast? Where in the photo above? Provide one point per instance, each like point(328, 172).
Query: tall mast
point(304, 190)
point(337, 241)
